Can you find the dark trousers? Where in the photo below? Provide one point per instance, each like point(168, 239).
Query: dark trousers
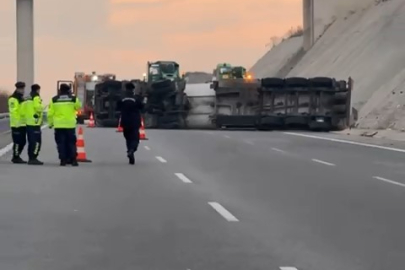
point(19, 136)
point(131, 135)
point(65, 139)
point(34, 136)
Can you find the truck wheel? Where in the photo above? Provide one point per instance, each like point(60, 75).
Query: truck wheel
point(272, 82)
point(340, 98)
point(339, 109)
point(325, 82)
point(297, 82)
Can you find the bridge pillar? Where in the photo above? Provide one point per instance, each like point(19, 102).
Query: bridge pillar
point(308, 24)
point(25, 42)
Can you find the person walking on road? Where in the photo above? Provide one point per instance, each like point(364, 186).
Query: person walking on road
point(17, 122)
point(62, 117)
point(130, 107)
point(33, 111)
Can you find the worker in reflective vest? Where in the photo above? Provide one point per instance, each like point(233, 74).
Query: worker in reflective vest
point(17, 122)
point(62, 117)
point(33, 111)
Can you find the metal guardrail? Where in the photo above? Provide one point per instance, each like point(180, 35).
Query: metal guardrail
point(4, 122)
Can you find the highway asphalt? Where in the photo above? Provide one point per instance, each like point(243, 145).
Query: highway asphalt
point(4, 125)
point(203, 200)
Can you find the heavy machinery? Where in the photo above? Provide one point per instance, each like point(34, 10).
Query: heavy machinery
point(83, 87)
point(166, 103)
point(236, 97)
point(319, 103)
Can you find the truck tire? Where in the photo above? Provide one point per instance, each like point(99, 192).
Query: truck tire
point(272, 82)
point(342, 85)
point(340, 98)
point(297, 82)
point(339, 109)
point(324, 82)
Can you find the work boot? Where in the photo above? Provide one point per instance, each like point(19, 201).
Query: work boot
point(69, 162)
point(63, 163)
point(132, 160)
point(18, 160)
point(131, 157)
point(35, 161)
point(75, 163)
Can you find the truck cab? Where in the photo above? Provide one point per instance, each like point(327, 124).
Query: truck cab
point(162, 70)
point(84, 88)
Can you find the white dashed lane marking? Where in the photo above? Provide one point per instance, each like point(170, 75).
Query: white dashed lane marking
point(223, 212)
point(389, 181)
point(161, 159)
point(323, 162)
point(147, 147)
point(278, 150)
point(183, 178)
point(226, 136)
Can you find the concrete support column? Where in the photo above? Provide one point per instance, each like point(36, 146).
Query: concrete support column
point(308, 24)
point(25, 42)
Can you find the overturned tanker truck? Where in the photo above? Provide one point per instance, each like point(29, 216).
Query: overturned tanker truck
point(236, 97)
point(106, 97)
point(163, 87)
point(319, 103)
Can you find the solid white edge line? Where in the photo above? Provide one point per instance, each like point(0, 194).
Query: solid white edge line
point(223, 212)
point(347, 142)
point(277, 150)
point(9, 147)
point(161, 159)
point(323, 162)
point(147, 147)
point(288, 268)
point(183, 178)
point(389, 181)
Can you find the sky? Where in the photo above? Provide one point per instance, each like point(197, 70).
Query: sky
point(120, 36)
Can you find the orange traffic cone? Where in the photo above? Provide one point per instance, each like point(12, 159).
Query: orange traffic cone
point(119, 128)
point(91, 123)
point(142, 133)
point(81, 153)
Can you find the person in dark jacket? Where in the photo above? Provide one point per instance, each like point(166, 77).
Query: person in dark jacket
point(130, 107)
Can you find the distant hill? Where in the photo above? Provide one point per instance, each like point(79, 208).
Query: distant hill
point(198, 77)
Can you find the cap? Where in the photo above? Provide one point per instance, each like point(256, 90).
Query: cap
point(35, 87)
point(20, 84)
point(64, 87)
